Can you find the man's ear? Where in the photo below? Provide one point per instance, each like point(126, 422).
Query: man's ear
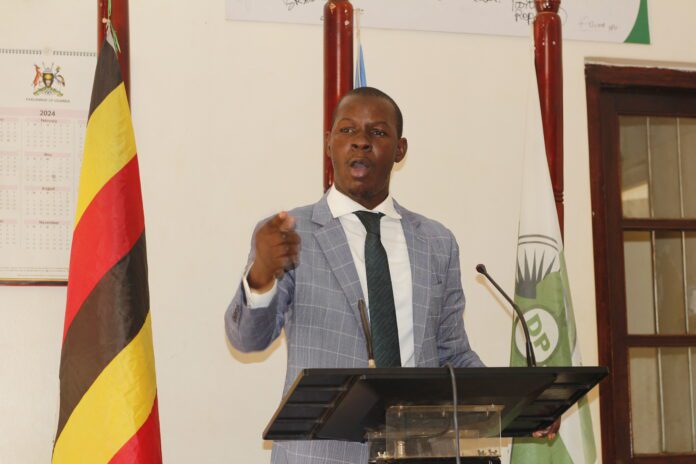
point(401, 149)
point(327, 148)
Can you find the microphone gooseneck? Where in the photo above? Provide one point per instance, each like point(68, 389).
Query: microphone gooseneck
point(531, 359)
point(366, 331)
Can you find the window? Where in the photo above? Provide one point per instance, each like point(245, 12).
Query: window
point(642, 129)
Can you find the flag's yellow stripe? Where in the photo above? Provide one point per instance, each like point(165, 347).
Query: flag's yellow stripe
point(109, 145)
point(114, 408)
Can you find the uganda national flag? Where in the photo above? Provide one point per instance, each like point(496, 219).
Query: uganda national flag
point(108, 391)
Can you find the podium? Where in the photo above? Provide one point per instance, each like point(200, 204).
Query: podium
point(406, 414)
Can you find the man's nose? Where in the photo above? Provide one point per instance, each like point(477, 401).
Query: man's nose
point(361, 142)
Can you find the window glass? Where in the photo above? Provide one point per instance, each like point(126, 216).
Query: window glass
point(675, 380)
point(639, 282)
point(669, 283)
point(664, 168)
point(635, 188)
point(646, 423)
point(687, 140)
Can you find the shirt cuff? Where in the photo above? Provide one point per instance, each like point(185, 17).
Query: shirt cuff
point(255, 299)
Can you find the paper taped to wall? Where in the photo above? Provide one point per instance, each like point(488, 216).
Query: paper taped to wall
point(594, 20)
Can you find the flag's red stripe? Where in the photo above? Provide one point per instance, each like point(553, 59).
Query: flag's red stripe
point(144, 447)
point(107, 230)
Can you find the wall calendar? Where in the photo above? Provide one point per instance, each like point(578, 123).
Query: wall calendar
point(44, 100)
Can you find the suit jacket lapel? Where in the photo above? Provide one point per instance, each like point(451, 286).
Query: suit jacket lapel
point(419, 256)
point(332, 241)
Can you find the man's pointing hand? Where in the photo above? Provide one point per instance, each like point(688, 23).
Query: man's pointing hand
point(277, 251)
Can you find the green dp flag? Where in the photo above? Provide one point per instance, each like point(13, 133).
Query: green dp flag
point(543, 294)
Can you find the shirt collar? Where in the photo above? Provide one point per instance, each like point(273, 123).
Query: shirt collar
point(342, 205)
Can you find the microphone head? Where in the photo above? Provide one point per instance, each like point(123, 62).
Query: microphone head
point(481, 269)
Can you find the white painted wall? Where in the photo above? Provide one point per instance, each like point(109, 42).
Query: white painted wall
point(215, 104)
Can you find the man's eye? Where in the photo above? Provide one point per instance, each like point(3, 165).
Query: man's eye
point(346, 130)
point(378, 132)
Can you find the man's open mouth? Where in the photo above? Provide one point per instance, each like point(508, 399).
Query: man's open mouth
point(359, 167)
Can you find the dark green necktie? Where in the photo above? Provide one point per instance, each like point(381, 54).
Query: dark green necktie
point(385, 332)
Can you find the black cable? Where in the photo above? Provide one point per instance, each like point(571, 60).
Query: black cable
point(454, 401)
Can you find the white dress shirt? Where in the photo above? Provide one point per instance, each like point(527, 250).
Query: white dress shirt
point(394, 242)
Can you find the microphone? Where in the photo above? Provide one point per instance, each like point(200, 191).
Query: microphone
point(531, 359)
point(366, 331)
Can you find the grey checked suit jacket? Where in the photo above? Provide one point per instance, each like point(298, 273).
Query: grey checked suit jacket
point(317, 305)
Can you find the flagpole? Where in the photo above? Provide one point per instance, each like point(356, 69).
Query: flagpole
point(338, 65)
point(119, 21)
point(549, 68)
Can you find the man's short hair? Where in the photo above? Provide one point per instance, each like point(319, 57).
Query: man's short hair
point(376, 93)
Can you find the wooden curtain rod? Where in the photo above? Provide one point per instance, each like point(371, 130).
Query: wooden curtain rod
point(548, 48)
point(338, 65)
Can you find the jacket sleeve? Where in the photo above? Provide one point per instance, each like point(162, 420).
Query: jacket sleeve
point(254, 329)
point(452, 341)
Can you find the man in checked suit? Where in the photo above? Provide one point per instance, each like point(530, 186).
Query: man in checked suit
point(309, 267)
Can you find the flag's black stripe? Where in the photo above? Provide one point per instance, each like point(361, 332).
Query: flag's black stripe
point(107, 321)
point(107, 76)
